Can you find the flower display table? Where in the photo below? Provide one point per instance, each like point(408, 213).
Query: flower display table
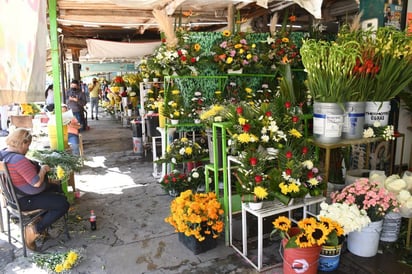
point(364, 141)
point(270, 208)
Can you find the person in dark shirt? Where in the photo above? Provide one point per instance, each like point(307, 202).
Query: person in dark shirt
point(30, 182)
point(76, 100)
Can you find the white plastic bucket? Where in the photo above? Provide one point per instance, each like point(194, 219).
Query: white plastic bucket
point(377, 112)
point(327, 122)
point(354, 120)
point(365, 243)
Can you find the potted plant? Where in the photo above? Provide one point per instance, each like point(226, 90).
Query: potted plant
point(183, 150)
point(117, 84)
point(252, 182)
point(173, 106)
point(305, 240)
point(174, 183)
point(179, 58)
point(294, 173)
point(376, 201)
point(198, 217)
point(197, 106)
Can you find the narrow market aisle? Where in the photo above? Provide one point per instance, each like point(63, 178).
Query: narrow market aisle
point(131, 235)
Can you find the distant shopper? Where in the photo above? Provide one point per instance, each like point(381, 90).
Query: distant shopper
point(76, 100)
point(49, 96)
point(95, 92)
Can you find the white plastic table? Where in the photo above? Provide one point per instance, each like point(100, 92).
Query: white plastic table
point(270, 208)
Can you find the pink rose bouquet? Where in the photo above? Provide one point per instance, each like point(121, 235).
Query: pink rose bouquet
point(367, 195)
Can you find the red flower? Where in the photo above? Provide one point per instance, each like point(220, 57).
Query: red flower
point(295, 119)
point(268, 114)
point(239, 110)
point(253, 161)
point(304, 150)
point(183, 58)
point(179, 52)
point(163, 40)
point(174, 180)
point(193, 60)
point(258, 179)
point(288, 105)
point(289, 154)
point(288, 171)
point(310, 175)
point(246, 127)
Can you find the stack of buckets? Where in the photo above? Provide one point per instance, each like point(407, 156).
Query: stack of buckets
point(332, 122)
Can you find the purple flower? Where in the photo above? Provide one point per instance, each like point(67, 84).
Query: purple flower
point(255, 58)
point(245, 62)
point(232, 53)
point(243, 41)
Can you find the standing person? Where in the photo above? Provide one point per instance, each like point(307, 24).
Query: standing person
point(85, 90)
point(4, 116)
point(30, 182)
point(73, 131)
point(105, 91)
point(76, 100)
point(95, 92)
point(49, 96)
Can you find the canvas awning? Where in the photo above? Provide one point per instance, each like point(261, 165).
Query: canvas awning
point(108, 49)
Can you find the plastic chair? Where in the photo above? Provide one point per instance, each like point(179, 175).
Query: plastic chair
point(10, 202)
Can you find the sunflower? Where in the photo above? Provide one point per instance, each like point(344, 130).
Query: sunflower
point(318, 234)
point(303, 241)
point(307, 223)
point(226, 33)
point(329, 223)
point(282, 223)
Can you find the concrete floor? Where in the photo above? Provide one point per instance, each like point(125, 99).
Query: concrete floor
point(131, 235)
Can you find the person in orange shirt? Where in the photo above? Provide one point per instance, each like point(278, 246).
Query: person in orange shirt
point(73, 131)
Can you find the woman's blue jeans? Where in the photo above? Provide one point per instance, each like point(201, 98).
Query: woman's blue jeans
point(73, 140)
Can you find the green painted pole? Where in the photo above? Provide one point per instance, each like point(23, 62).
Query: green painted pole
point(56, 73)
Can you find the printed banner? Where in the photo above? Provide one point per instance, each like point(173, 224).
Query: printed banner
point(23, 42)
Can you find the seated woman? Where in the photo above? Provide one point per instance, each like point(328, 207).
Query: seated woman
point(30, 183)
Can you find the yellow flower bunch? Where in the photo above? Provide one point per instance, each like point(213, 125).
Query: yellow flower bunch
point(215, 113)
point(173, 107)
point(58, 262)
point(29, 109)
point(309, 231)
point(196, 214)
point(60, 172)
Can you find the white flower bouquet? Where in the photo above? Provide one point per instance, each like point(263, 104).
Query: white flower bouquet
point(350, 217)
